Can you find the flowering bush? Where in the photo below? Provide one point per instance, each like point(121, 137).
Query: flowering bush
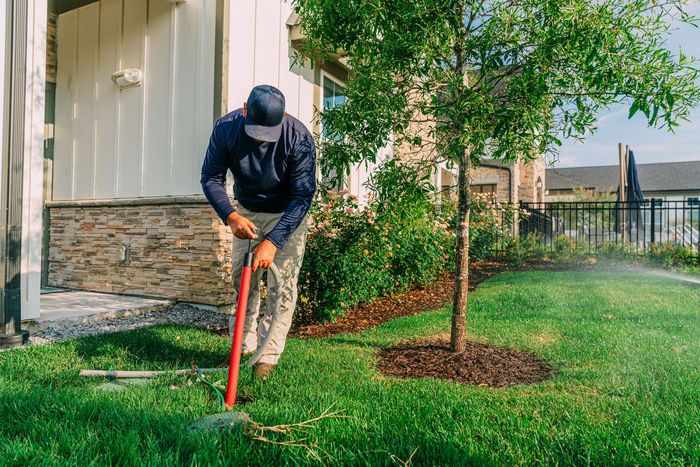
point(396, 240)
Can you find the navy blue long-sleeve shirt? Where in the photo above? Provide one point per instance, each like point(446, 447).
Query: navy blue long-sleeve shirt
point(267, 177)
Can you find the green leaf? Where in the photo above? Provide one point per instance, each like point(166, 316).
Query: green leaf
point(633, 109)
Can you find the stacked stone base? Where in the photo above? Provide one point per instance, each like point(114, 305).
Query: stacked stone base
point(174, 247)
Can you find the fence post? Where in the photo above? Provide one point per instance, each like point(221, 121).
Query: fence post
point(653, 220)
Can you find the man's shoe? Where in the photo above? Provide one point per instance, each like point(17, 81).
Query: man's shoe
point(264, 370)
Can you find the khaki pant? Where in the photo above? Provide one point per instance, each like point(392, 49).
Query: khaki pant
point(288, 260)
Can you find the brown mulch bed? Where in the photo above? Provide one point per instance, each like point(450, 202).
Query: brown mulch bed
point(408, 303)
point(480, 364)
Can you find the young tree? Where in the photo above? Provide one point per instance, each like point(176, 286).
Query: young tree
point(461, 80)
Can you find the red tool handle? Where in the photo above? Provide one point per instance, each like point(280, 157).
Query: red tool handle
point(235, 361)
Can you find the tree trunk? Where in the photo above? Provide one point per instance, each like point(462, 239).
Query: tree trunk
point(458, 337)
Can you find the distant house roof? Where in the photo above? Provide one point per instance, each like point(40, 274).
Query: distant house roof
point(495, 162)
point(667, 176)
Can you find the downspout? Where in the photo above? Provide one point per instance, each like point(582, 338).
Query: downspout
point(510, 178)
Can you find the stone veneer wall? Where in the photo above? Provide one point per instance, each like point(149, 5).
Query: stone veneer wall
point(529, 173)
point(173, 247)
point(491, 175)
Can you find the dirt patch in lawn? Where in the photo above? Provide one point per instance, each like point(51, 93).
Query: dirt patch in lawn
point(433, 297)
point(480, 364)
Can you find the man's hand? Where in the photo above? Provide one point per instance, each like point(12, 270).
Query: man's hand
point(264, 254)
point(241, 227)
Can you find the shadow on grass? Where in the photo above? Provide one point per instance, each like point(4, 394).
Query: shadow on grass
point(160, 347)
point(69, 426)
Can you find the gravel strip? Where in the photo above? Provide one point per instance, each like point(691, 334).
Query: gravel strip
point(177, 314)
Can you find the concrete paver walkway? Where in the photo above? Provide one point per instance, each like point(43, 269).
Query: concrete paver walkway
point(77, 307)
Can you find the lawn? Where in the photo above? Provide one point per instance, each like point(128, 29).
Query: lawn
point(627, 388)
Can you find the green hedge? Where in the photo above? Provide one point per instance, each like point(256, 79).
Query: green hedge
point(566, 250)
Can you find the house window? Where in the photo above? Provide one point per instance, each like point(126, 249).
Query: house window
point(483, 188)
point(333, 95)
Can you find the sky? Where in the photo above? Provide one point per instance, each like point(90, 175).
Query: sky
point(648, 144)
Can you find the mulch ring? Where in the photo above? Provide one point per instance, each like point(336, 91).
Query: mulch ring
point(480, 364)
point(408, 303)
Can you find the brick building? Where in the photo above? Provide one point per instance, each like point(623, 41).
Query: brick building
point(512, 182)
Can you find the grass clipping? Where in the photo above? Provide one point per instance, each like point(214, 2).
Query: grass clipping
point(293, 435)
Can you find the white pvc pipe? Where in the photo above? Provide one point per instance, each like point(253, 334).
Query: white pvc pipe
point(143, 374)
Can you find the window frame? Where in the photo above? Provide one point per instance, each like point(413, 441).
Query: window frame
point(337, 83)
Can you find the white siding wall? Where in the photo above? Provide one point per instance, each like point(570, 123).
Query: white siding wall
point(142, 141)
point(260, 53)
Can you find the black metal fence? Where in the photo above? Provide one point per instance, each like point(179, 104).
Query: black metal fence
point(594, 224)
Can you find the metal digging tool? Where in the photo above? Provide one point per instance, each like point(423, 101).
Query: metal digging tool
point(230, 418)
point(237, 344)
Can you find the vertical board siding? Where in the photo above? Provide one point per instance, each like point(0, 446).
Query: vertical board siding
point(267, 31)
point(146, 140)
point(185, 84)
point(131, 102)
point(64, 135)
point(204, 96)
point(84, 168)
point(107, 102)
point(306, 94)
point(241, 73)
point(289, 76)
point(260, 52)
point(158, 98)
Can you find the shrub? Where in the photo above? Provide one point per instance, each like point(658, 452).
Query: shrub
point(567, 250)
point(616, 252)
point(671, 256)
point(397, 240)
point(528, 248)
point(491, 223)
point(490, 227)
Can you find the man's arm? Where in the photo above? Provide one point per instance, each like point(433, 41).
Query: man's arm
point(303, 186)
point(213, 178)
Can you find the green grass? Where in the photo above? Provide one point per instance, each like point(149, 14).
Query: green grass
point(627, 389)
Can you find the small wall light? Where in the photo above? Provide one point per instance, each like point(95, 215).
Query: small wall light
point(127, 78)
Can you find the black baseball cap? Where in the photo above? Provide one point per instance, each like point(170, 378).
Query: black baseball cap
point(264, 113)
